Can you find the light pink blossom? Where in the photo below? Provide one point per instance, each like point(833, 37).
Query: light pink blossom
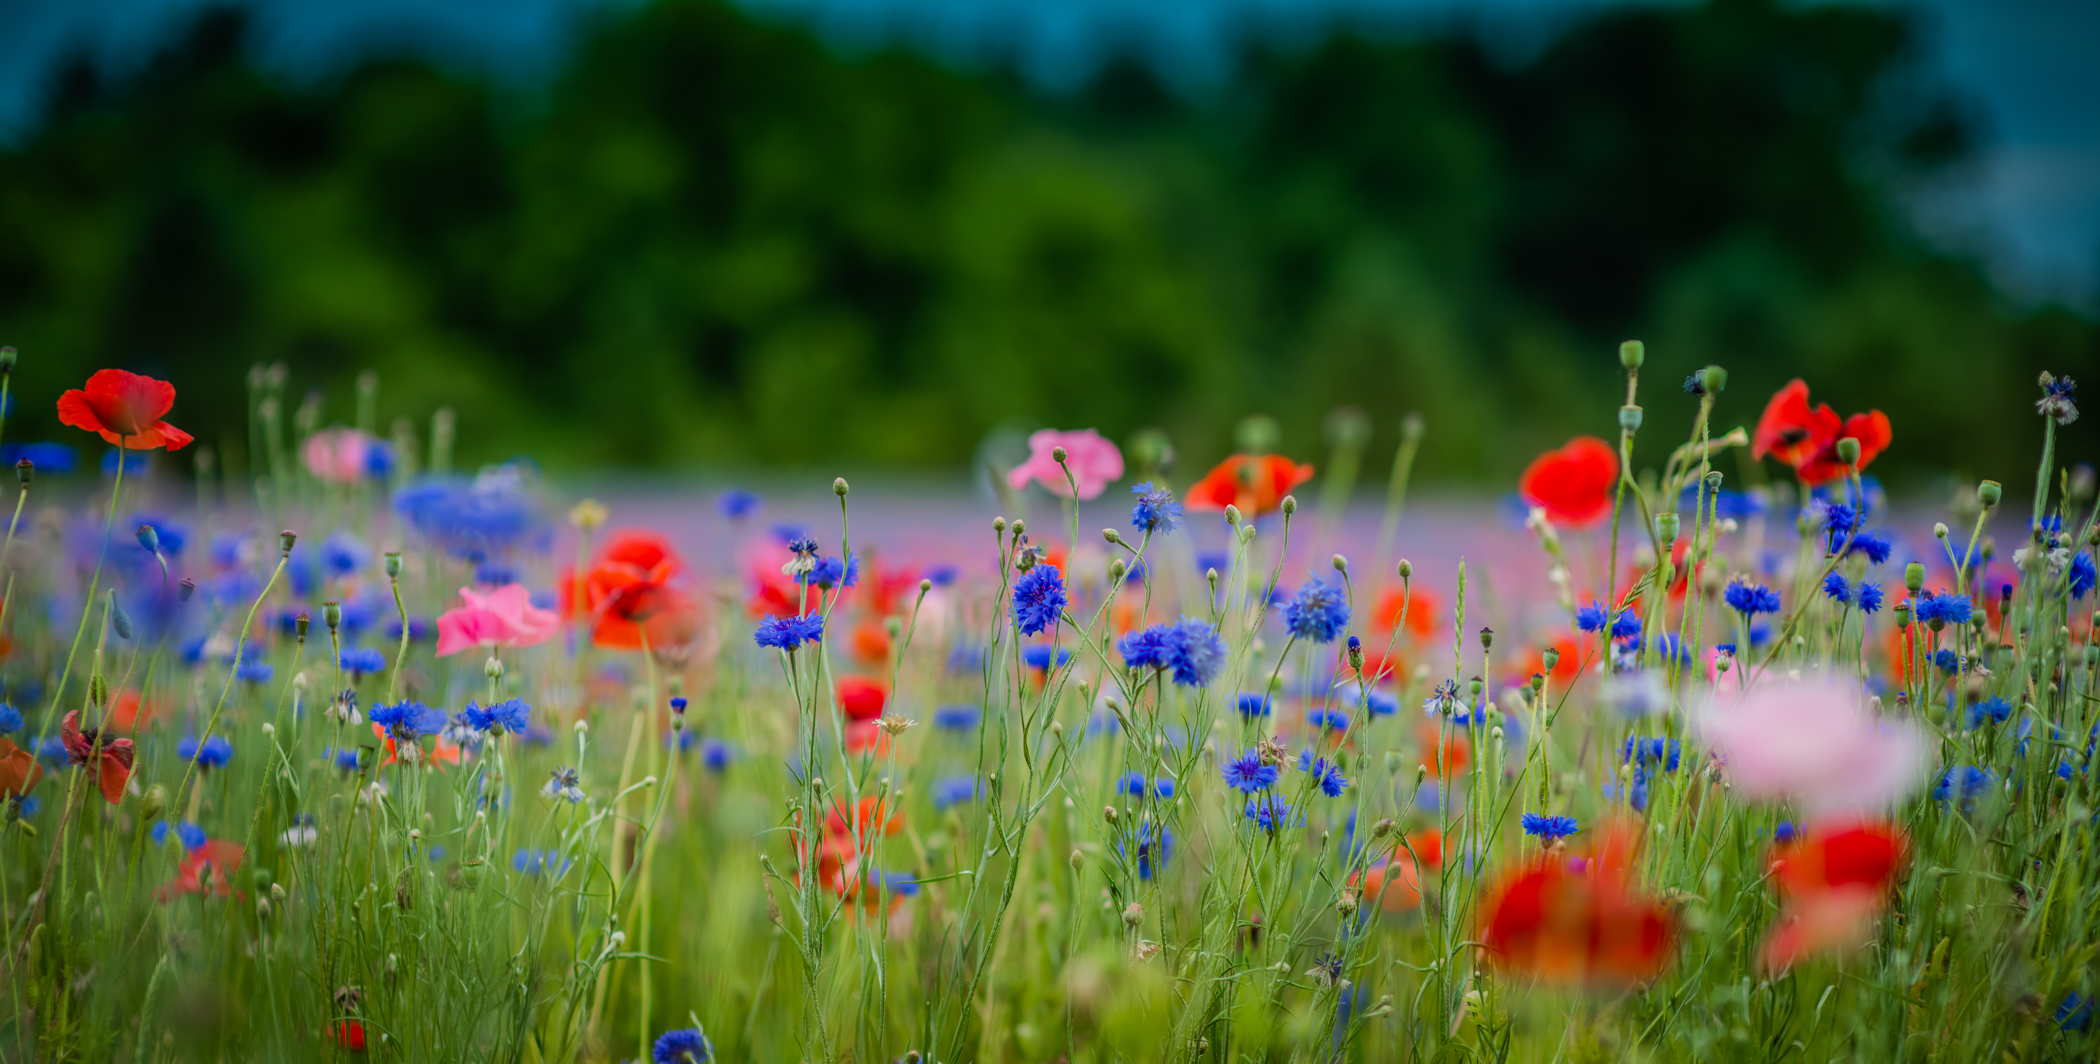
point(338, 455)
point(504, 617)
point(1094, 462)
point(1811, 741)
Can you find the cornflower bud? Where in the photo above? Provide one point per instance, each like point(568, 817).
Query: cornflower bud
point(1356, 653)
point(998, 524)
point(1939, 530)
point(839, 488)
point(1232, 514)
point(1020, 527)
point(1109, 814)
point(1631, 354)
point(1111, 535)
point(1057, 454)
point(925, 585)
point(1078, 860)
point(1116, 570)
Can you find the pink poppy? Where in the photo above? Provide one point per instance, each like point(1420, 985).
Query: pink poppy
point(338, 455)
point(1094, 462)
point(1812, 741)
point(504, 617)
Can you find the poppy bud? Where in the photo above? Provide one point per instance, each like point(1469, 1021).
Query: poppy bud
point(1341, 564)
point(184, 590)
point(332, 615)
point(1666, 527)
point(1914, 577)
point(285, 539)
point(1989, 492)
point(118, 619)
point(1631, 354)
point(1538, 682)
point(1630, 418)
point(1111, 535)
point(1411, 426)
point(1714, 379)
point(1057, 454)
point(152, 802)
point(1406, 570)
point(1290, 505)
point(393, 564)
point(149, 538)
point(25, 471)
point(839, 488)
point(1902, 612)
point(1848, 450)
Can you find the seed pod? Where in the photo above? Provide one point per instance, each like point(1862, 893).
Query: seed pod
point(1989, 492)
point(393, 564)
point(285, 539)
point(1631, 354)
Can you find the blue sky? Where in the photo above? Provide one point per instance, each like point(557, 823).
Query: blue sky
point(2029, 66)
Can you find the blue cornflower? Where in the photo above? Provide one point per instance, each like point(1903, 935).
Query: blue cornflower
point(1962, 782)
point(2081, 574)
point(46, 457)
point(1253, 705)
point(1751, 599)
point(1869, 598)
point(409, 719)
point(1328, 719)
point(1039, 599)
point(1784, 832)
point(960, 717)
point(1626, 626)
point(683, 1046)
point(1992, 709)
point(1666, 751)
point(787, 633)
point(902, 884)
point(191, 835)
point(10, 719)
point(1636, 792)
point(357, 661)
point(1945, 607)
point(1836, 589)
point(1381, 704)
point(1154, 845)
point(1591, 618)
point(1037, 657)
point(345, 759)
point(1197, 653)
point(211, 753)
point(1948, 661)
point(1319, 611)
point(2076, 1012)
point(1670, 647)
point(534, 862)
point(53, 750)
point(508, 716)
point(1147, 648)
point(954, 790)
point(1135, 784)
point(736, 504)
point(1874, 545)
point(1838, 521)
point(1269, 812)
point(716, 754)
point(344, 553)
point(494, 574)
point(1156, 510)
point(831, 572)
point(2057, 398)
point(1549, 827)
point(1248, 773)
point(1325, 772)
point(255, 672)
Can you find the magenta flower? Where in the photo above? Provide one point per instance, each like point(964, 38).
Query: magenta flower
point(1813, 742)
point(1094, 462)
point(504, 617)
point(339, 455)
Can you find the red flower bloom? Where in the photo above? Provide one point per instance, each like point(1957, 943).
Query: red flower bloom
point(861, 698)
point(1563, 927)
point(1574, 485)
point(126, 409)
point(350, 1034)
point(1806, 439)
point(1835, 881)
point(1254, 483)
point(219, 858)
point(846, 840)
point(113, 766)
point(629, 593)
point(19, 772)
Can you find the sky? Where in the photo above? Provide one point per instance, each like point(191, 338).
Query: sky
point(2027, 67)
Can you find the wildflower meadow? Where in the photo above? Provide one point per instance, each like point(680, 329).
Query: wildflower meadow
point(360, 754)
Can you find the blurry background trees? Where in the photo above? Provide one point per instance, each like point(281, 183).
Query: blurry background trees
point(713, 239)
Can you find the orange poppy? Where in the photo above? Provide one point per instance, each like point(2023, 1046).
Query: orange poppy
point(1254, 483)
point(1421, 607)
point(1576, 484)
point(113, 757)
point(222, 859)
point(125, 409)
point(628, 592)
point(871, 643)
point(19, 772)
point(1806, 438)
point(1451, 758)
point(1547, 920)
point(129, 711)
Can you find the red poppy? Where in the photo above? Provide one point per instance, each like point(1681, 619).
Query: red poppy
point(19, 772)
point(1574, 485)
point(209, 867)
point(1806, 439)
point(1835, 881)
point(1454, 755)
point(1395, 885)
point(350, 1034)
point(1254, 483)
point(839, 854)
point(871, 643)
point(114, 755)
point(128, 712)
point(1562, 926)
point(126, 409)
point(628, 591)
point(862, 698)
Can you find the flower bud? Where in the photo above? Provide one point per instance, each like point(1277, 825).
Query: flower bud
point(1078, 860)
point(1714, 379)
point(1939, 530)
point(1631, 354)
point(1914, 577)
point(1232, 514)
point(1133, 914)
point(1630, 418)
point(1109, 814)
point(332, 615)
point(998, 524)
point(1406, 569)
point(1356, 653)
point(149, 538)
point(839, 488)
point(1713, 481)
point(393, 564)
point(1111, 535)
point(1341, 564)
point(1020, 527)
point(25, 471)
point(1290, 505)
point(493, 668)
point(98, 690)
point(285, 539)
point(152, 802)
point(1666, 527)
point(1116, 569)
point(1382, 828)
point(1057, 454)
point(1550, 657)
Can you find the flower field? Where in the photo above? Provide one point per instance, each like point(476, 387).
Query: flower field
point(357, 754)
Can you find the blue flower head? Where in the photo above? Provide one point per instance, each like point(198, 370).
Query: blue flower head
point(736, 504)
point(960, 717)
point(1837, 589)
point(1154, 845)
point(1270, 812)
point(1870, 598)
point(1549, 827)
point(683, 1046)
point(1197, 654)
point(1156, 510)
point(1996, 710)
point(359, 661)
point(1874, 545)
point(1839, 521)
point(1751, 599)
point(954, 790)
point(1328, 719)
point(191, 835)
point(831, 572)
point(536, 862)
point(716, 754)
point(213, 752)
point(500, 717)
point(1037, 657)
point(1590, 618)
point(1381, 703)
point(344, 553)
point(1146, 648)
point(1253, 705)
point(1945, 607)
point(1039, 599)
point(2081, 574)
point(1318, 611)
point(1947, 661)
point(1326, 774)
point(10, 719)
point(1627, 626)
point(2075, 1013)
point(1248, 773)
point(787, 633)
point(409, 719)
point(1135, 785)
point(1964, 783)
